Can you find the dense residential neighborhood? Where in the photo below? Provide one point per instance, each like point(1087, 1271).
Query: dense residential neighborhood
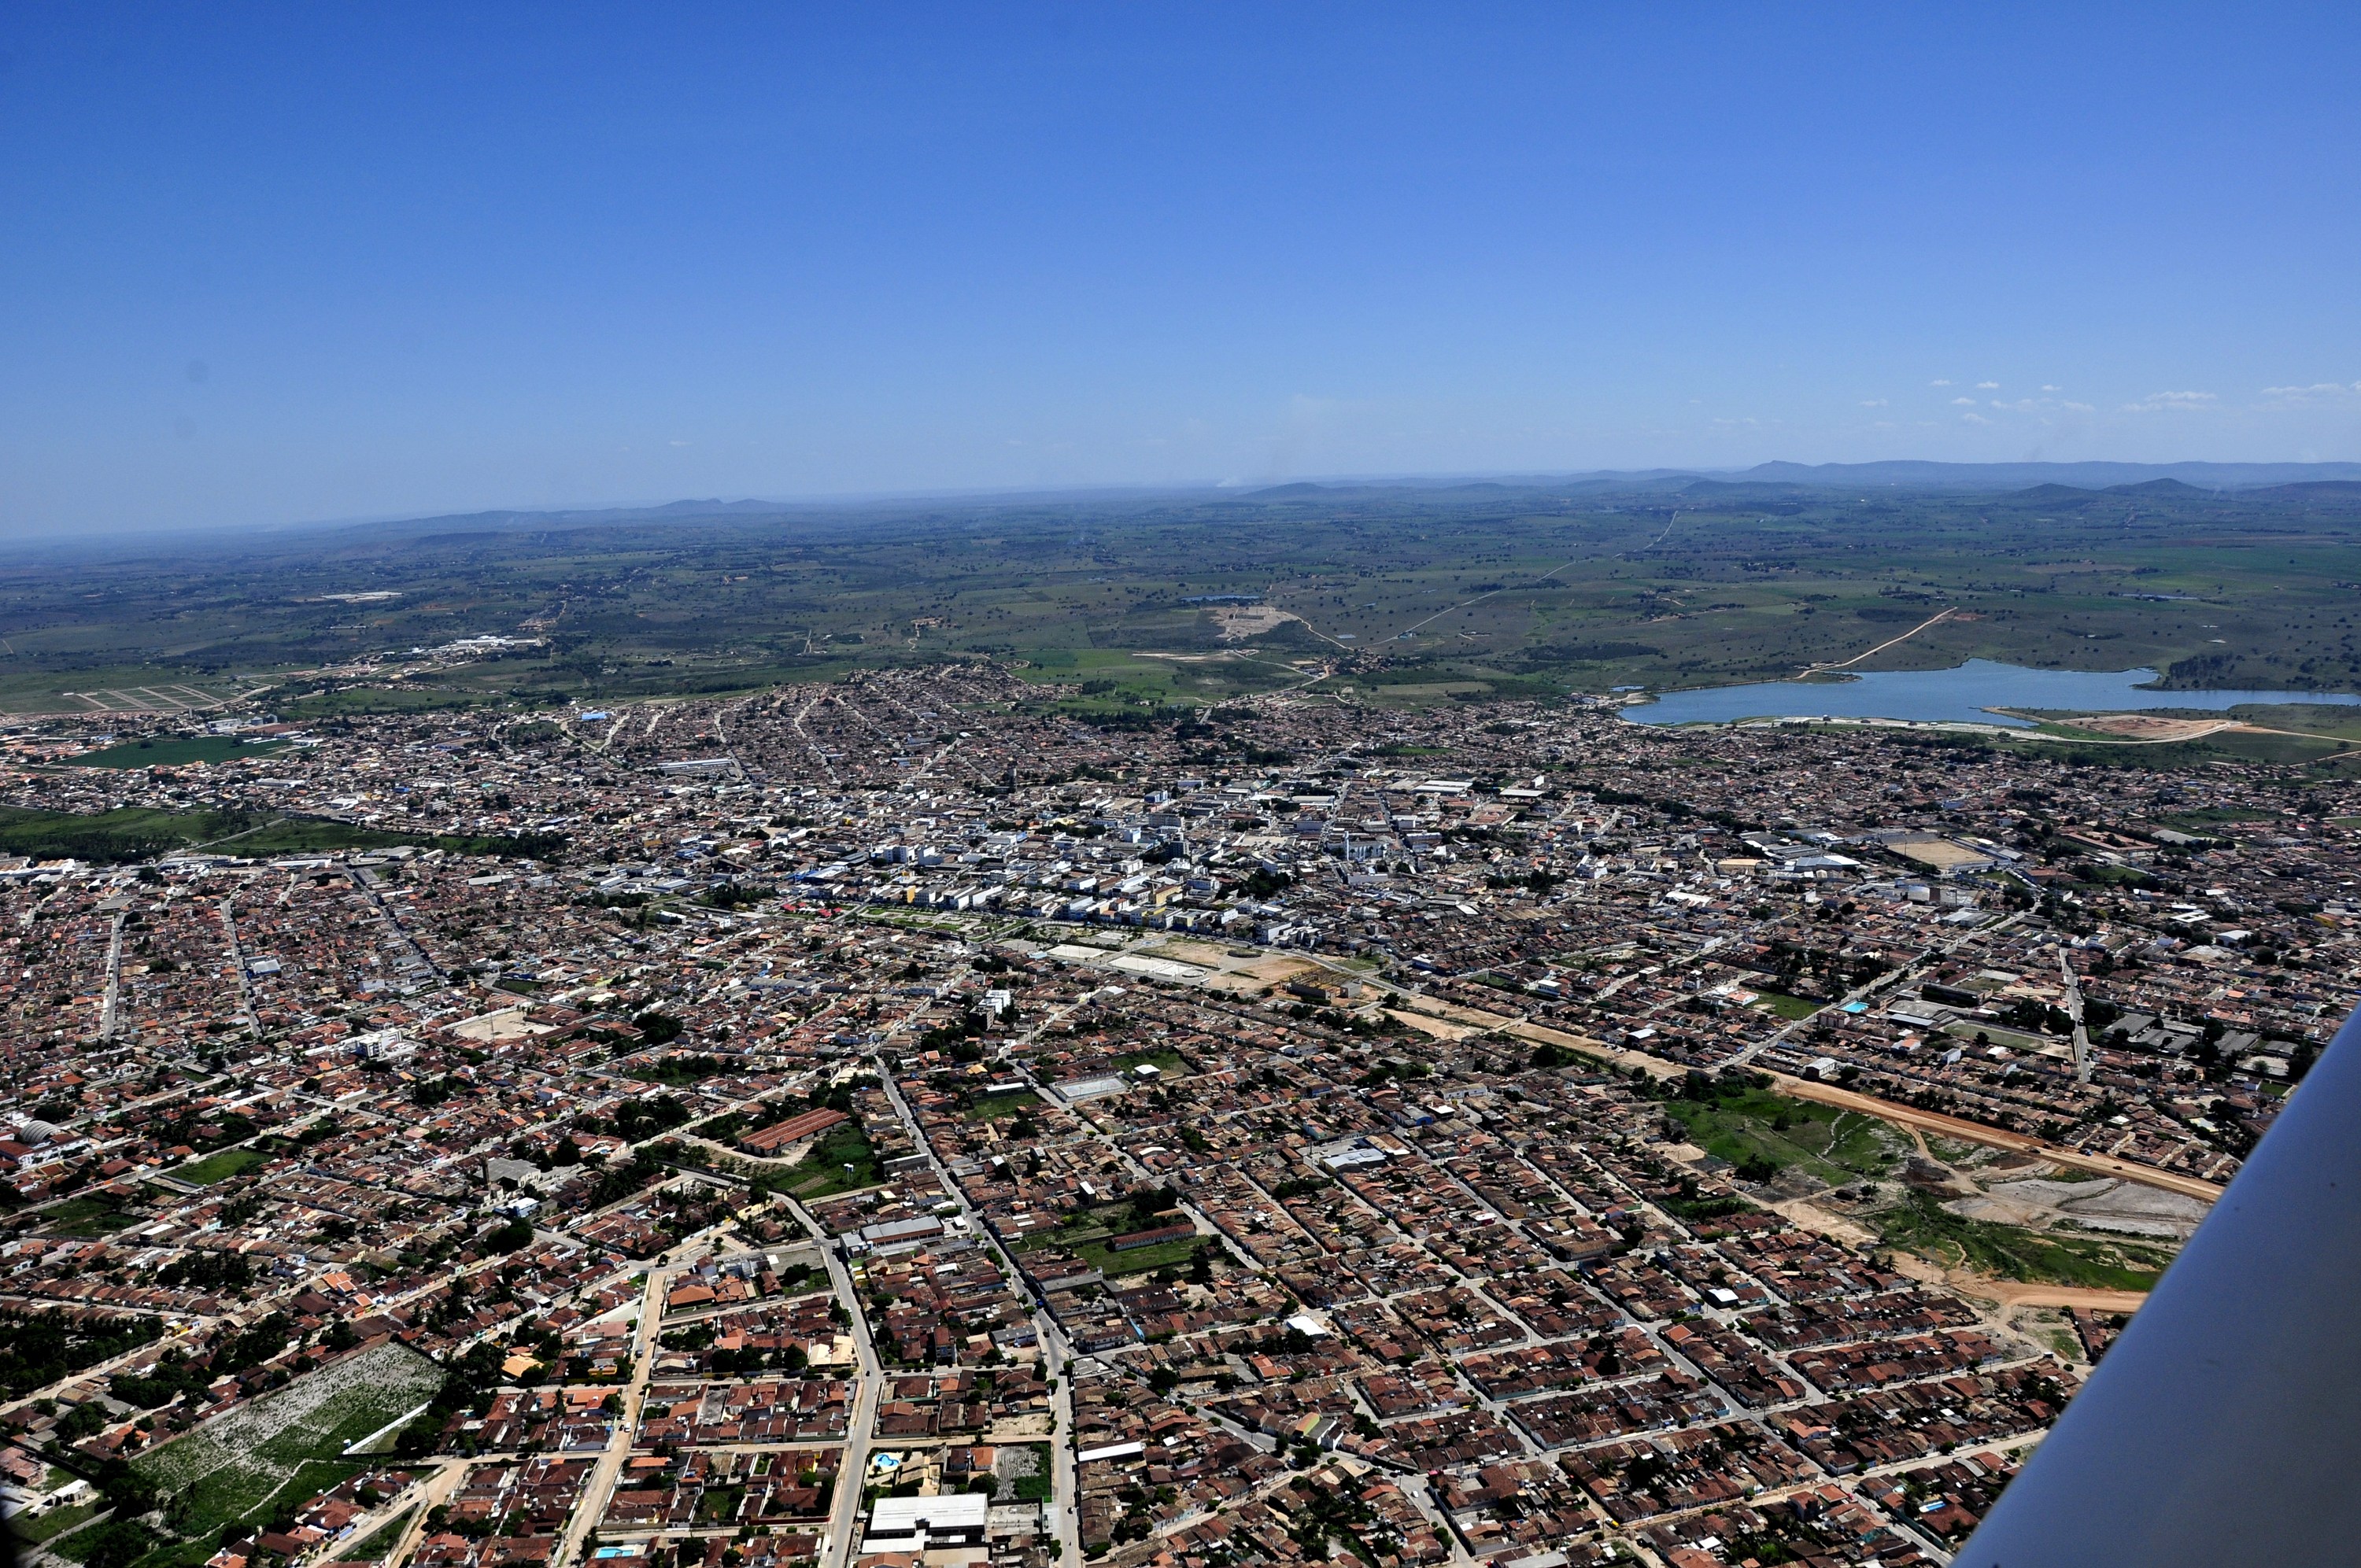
point(908, 1120)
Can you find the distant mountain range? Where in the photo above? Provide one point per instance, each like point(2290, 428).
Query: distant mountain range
point(2036, 483)
point(1954, 477)
point(2025, 476)
point(1980, 478)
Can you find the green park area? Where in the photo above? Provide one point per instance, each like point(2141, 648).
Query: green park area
point(1763, 1133)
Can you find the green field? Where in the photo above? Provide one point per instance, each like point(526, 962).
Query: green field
point(2011, 1251)
point(130, 833)
point(1756, 1128)
point(345, 701)
point(822, 1171)
point(220, 1167)
point(1140, 1259)
point(141, 833)
point(173, 751)
point(1786, 1007)
point(992, 1107)
point(1086, 1232)
point(1107, 1261)
point(83, 1217)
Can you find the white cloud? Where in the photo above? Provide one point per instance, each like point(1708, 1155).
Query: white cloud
point(2317, 392)
point(2049, 388)
point(1957, 402)
point(1873, 404)
point(1939, 383)
point(1988, 385)
point(2185, 401)
point(1975, 419)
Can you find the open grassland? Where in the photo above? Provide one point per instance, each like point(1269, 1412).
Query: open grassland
point(1400, 595)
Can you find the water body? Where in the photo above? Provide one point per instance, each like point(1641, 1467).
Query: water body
point(1956, 695)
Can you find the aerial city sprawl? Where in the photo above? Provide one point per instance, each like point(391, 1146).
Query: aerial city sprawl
point(910, 1117)
point(1038, 786)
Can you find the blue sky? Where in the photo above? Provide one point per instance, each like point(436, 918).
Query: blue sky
point(271, 263)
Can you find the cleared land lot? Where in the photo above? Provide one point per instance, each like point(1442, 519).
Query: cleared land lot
point(291, 1441)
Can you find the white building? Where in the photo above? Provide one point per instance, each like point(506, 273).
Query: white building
point(928, 1524)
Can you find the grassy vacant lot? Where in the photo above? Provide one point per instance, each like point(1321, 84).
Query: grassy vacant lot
point(172, 751)
point(1786, 1007)
point(1755, 1129)
point(37, 688)
point(380, 1540)
point(84, 1217)
point(1170, 1063)
point(992, 1107)
point(1107, 1261)
point(132, 833)
point(53, 1524)
point(1140, 1259)
point(287, 1446)
point(348, 700)
point(2010, 1252)
point(1086, 1235)
point(140, 833)
point(1035, 1486)
point(221, 1166)
point(824, 1170)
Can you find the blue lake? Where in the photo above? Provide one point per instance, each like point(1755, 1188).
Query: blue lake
point(1960, 695)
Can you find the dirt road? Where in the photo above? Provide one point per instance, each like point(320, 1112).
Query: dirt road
point(2017, 1293)
point(1993, 1138)
point(1447, 1019)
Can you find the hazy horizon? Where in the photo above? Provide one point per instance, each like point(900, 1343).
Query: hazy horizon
point(2064, 473)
